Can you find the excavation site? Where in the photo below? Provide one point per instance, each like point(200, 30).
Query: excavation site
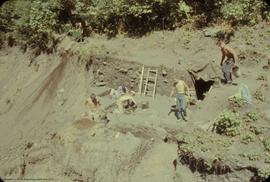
point(134, 91)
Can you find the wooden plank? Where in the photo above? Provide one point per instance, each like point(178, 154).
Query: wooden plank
point(154, 91)
point(141, 81)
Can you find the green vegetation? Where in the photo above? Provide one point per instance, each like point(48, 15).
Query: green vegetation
point(258, 95)
point(263, 173)
point(267, 160)
point(256, 130)
point(251, 156)
point(252, 116)
point(247, 138)
point(262, 77)
point(34, 23)
point(228, 124)
point(243, 11)
point(266, 144)
point(237, 102)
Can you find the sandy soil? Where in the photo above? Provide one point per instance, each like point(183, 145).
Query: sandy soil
point(45, 131)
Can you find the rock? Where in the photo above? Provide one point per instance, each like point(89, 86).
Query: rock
point(145, 105)
point(117, 68)
point(117, 135)
point(164, 73)
point(61, 90)
point(104, 63)
point(100, 84)
point(101, 78)
point(213, 32)
point(166, 81)
point(266, 67)
point(99, 72)
point(122, 70)
point(133, 77)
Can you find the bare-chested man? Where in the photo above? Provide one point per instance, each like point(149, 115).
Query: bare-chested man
point(181, 89)
point(230, 54)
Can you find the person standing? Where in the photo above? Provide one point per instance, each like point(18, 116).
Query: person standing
point(181, 89)
point(229, 63)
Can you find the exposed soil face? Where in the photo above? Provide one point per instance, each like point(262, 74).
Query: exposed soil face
point(45, 130)
point(115, 72)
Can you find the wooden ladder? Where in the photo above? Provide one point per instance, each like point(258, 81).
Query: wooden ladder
point(150, 83)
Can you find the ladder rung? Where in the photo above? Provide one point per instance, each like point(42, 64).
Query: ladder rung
point(150, 85)
point(152, 78)
point(153, 71)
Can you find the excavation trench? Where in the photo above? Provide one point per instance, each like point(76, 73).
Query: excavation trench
point(114, 72)
point(202, 87)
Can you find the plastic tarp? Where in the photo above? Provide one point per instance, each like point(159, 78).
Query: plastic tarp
point(243, 93)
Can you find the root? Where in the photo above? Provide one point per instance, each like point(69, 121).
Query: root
point(200, 165)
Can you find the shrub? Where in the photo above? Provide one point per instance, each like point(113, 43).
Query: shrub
point(228, 124)
point(253, 157)
point(252, 116)
point(263, 174)
point(237, 102)
point(259, 95)
point(184, 10)
point(247, 138)
point(111, 17)
point(10, 12)
point(37, 28)
point(262, 77)
point(243, 11)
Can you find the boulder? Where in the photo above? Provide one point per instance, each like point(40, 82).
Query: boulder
point(123, 70)
point(99, 72)
point(100, 84)
point(213, 32)
point(145, 105)
point(101, 78)
point(164, 73)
